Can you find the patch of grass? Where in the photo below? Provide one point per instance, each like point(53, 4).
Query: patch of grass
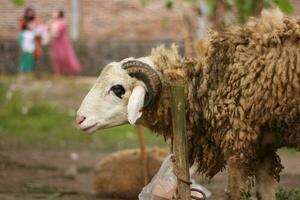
point(287, 151)
point(282, 194)
point(85, 170)
point(46, 191)
point(46, 124)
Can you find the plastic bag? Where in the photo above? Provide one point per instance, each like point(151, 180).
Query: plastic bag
point(195, 188)
point(164, 183)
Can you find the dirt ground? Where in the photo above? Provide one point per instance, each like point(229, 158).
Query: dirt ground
point(28, 173)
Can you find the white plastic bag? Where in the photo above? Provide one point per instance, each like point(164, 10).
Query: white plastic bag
point(164, 183)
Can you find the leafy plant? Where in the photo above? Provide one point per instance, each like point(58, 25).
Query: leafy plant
point(288, 195)
point(169, 4)
point(244, 8)
point(18, 2)
point(284, 5)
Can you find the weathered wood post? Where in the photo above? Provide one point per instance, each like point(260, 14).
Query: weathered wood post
point(180, 149)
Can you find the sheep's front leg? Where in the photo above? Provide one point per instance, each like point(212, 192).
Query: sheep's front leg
point(265, 183)
point(237, 184)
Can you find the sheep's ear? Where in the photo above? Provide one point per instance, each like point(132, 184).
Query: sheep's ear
point(135, 104)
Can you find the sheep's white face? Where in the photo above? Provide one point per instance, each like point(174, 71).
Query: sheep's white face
point(115, 99)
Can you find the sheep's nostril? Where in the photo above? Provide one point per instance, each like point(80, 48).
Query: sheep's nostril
point(80, 119)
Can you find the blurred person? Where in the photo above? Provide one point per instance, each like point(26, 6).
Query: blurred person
point(63, 55)
point(26, 41)
point(38, 27)
point(28, 16)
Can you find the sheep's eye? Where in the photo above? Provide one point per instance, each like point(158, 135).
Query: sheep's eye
point(118, 90)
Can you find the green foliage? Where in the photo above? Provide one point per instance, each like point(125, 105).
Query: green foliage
point(210, 5)
point(18, 2)
point(169, 4)
point(144, 2)
point(190, 1)
point(284, 5)
point(288, 195)
point(244, 8)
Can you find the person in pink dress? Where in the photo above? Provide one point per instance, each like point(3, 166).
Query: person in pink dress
point(63, 55)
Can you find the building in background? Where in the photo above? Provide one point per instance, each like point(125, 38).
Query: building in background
point(104, 30)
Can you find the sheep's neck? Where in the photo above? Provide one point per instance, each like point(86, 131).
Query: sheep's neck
point(158, 117)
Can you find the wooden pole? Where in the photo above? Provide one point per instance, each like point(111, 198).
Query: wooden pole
point(218, 13)
point(188, 30)
point(143, 153)
point(259, 5)
point(180, 149)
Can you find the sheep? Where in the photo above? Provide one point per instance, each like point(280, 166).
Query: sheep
point(125, 185)
point(243, 100)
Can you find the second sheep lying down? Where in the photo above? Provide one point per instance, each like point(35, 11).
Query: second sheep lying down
point(120, 175)
point(243, 100)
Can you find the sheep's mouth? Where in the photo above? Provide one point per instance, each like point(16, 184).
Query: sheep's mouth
point(89, 129)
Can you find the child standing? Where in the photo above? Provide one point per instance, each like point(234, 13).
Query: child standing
point(26, 40)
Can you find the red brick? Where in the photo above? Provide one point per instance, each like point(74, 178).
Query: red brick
point(103, 20)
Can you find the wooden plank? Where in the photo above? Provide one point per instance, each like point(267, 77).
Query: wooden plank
point(180, 149)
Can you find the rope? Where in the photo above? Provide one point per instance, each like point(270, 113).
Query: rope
point(188, 182)
point(183, 180)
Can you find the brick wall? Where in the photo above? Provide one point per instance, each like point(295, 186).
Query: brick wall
point(102, 20)
point(128, 20)
point(106, 20)
point(296, 4)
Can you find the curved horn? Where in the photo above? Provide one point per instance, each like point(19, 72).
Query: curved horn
point(148, 75)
